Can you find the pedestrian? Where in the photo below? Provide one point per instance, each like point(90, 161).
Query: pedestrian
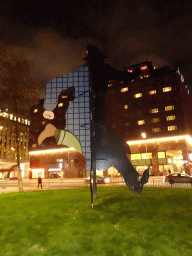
point(39, 181)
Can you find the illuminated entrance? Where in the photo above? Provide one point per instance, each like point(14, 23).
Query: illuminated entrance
point(167, 160)
point(38, 173)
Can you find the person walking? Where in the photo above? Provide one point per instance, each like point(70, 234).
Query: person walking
point(39, 181)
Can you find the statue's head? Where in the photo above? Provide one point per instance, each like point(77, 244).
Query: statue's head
point(137, 187)
point(94, 55)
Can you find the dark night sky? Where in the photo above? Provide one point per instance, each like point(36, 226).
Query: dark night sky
point(129, 32)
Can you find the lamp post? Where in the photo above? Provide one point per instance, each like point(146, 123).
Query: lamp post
point(144, 137)
point(68, 164)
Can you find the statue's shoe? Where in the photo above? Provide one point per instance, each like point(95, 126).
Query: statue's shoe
point(47, 132)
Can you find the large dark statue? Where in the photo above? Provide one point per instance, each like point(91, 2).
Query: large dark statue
point(107, 147)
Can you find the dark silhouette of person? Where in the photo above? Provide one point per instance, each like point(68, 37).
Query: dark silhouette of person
point(39, 181)
point(109, 149)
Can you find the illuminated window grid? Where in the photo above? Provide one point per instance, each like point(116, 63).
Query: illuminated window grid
point(141, 122)
point(141, 156)
point(167, 89)
point(78, 114)
point(125, 89)
point(161, 154)
point(155, 120)
point(170, 118)
point(168, 108)
point(157, 129)
point(138, 95)
point(172, 128)
point(154, 110)
point(152, 92)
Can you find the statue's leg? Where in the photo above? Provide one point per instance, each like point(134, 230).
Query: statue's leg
point(67, 138)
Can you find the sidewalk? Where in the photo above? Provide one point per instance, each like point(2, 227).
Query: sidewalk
point(8, 186)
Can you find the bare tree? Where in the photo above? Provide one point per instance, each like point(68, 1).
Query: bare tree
point(17, 90)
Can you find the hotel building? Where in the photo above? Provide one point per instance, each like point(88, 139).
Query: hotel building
point(153, 113)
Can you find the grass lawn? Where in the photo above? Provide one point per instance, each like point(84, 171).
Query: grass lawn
point(57, 223)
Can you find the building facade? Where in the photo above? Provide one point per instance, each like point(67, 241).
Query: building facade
point(63, 160)
point(8, 153)
point(154, 114)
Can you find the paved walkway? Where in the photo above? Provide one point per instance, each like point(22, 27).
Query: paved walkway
point(8, 186)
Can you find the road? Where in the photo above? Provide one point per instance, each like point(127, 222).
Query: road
point(49, 184)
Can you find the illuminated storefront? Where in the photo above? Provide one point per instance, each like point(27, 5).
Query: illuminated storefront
point(66, 162)
point(164, 154)
point(38, 173)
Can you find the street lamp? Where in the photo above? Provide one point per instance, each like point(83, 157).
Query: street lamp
point(144, 137)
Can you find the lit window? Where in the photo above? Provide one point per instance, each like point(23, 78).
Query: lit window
point(22, 121)
point(28, 122)
point(124, 89)
point(156, 129)
point(172, 128)
point(155, 120)
point(125, 106)
point(1, 127)
point(146, 156)
point(64, 97)
point(35, 110)
point(60, 105)
point(167, 89)
point(130, 70)
point(161, 154)
point(141, 156)
point(135, 156)
point(19, 119)
point(15, 118)
point(143, 67)
point(59, 160)
point(170, 118)
point(141, 122)
point(4, 114)
point(138, 95)
point(152, 92)
point(154, 110)
point(11, 116)
point(168, 108)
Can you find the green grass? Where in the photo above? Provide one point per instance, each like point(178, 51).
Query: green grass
point(54, 223)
